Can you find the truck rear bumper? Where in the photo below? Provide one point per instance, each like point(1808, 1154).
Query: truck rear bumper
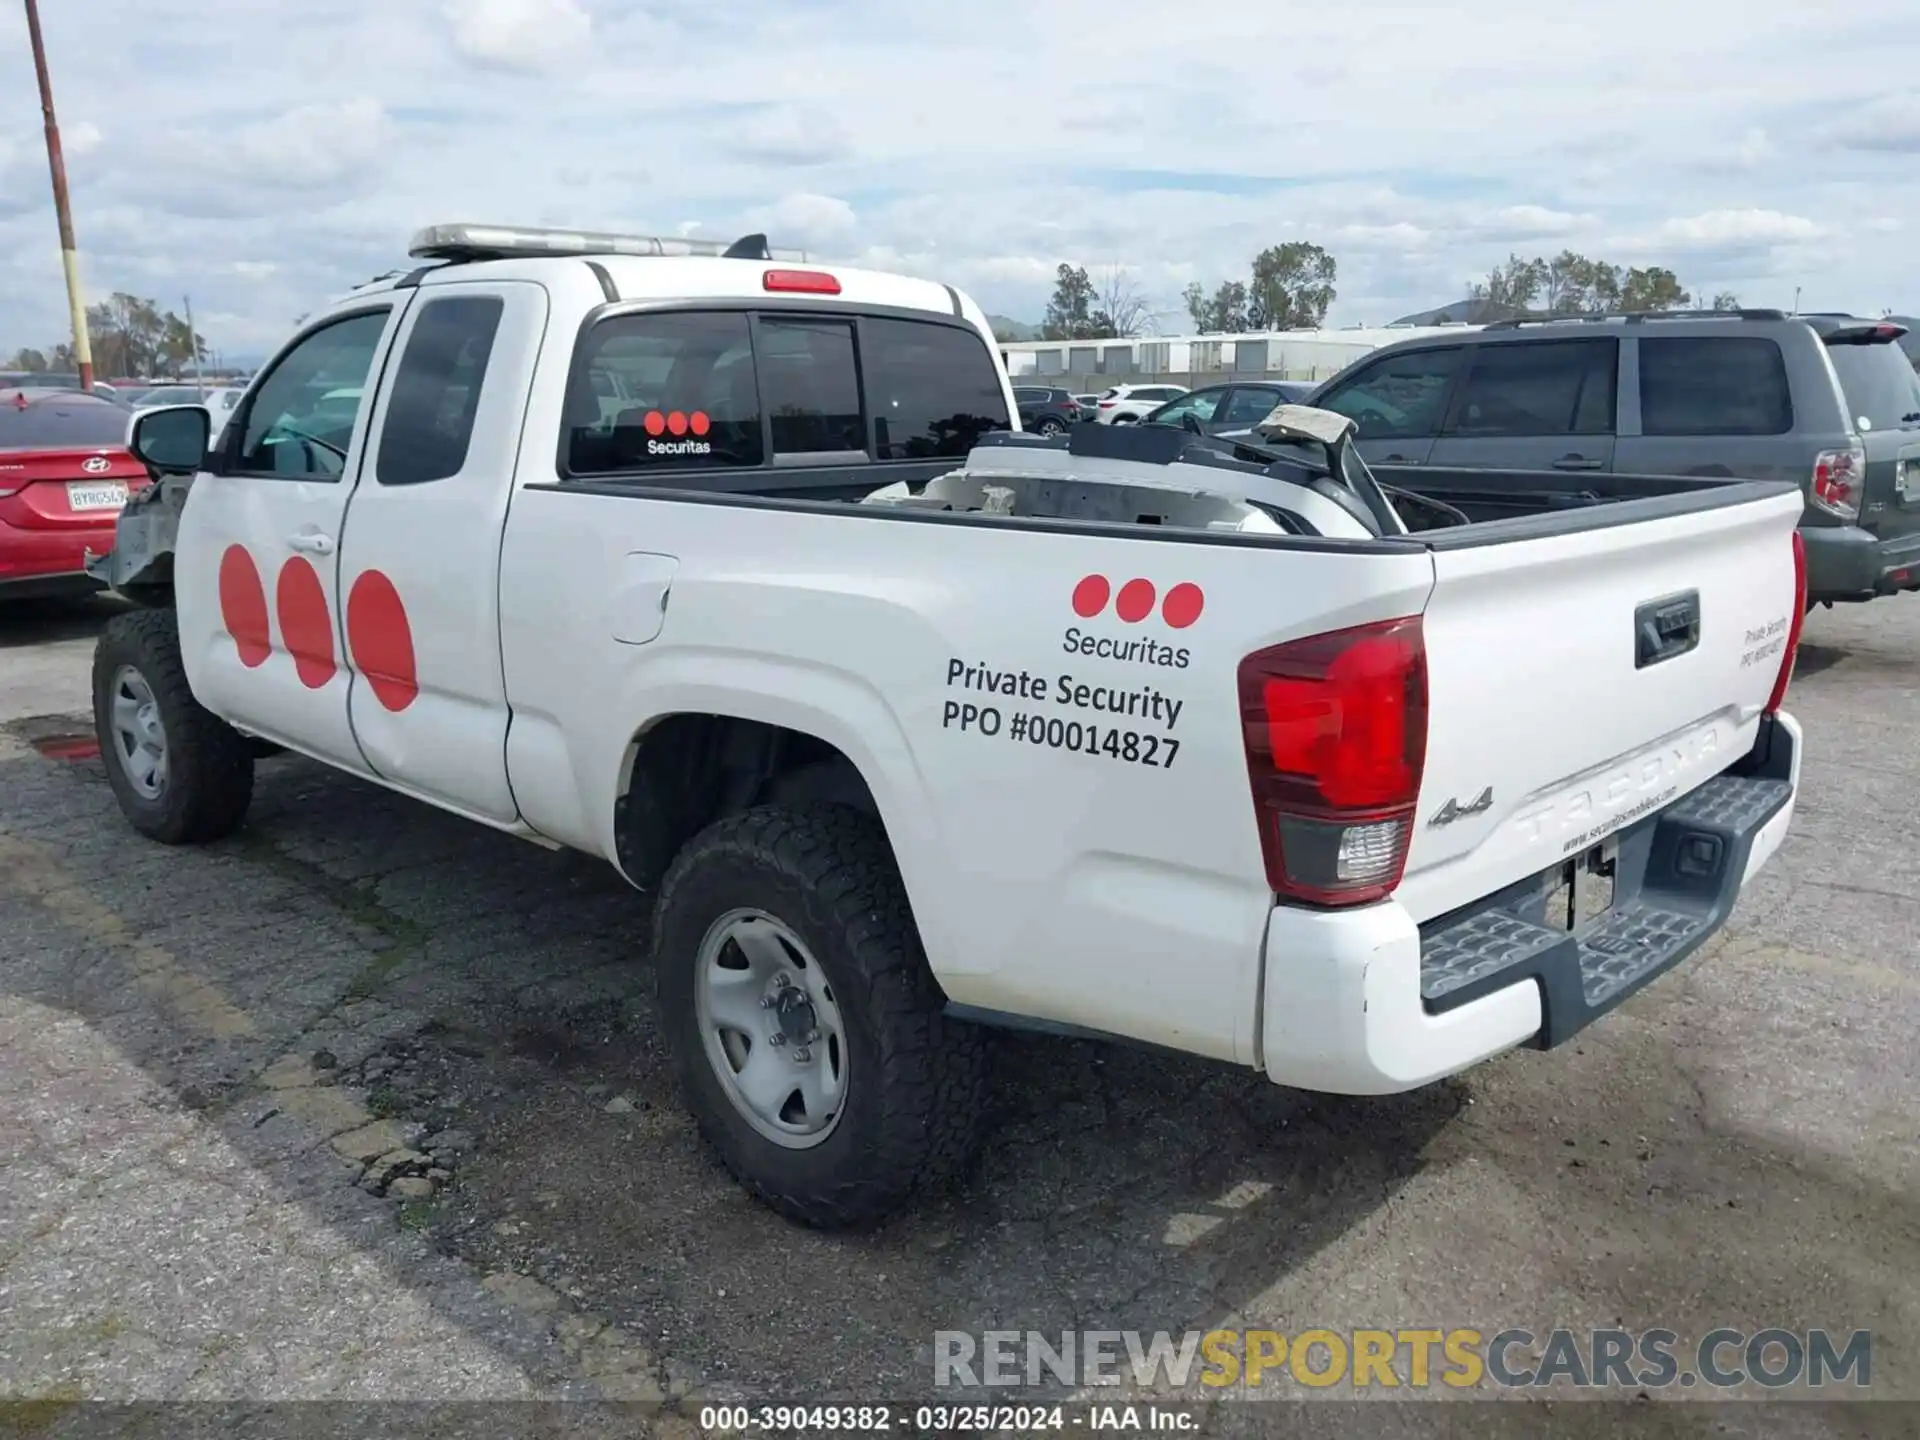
point(1370, 1003)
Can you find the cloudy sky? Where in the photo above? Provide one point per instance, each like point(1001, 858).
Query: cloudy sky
point(261, 155)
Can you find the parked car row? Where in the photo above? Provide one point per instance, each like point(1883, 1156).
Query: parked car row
point(1827, 401)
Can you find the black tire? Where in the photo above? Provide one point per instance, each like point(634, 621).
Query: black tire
point(1050, 427)
point(917, 1081)
point(209, 780)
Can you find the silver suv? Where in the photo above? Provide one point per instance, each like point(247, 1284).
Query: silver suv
point(1828, 401)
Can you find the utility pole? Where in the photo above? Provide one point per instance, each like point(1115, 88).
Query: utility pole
point(193, 350)
point(69, 258)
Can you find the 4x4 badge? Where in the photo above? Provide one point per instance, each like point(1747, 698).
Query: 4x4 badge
point(1453, 810)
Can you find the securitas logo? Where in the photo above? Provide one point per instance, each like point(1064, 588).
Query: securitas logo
point(1133, 604)
point(677, 423)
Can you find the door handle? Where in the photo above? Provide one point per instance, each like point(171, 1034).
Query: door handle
point(311, 542)
point(1397, 460)
point(1577, 462)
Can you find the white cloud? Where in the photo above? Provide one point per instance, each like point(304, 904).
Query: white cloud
point(524, 35)
point(1420, 146)
point(812, 222)
point(1891, 124)
point(793, 135)
point(81, 139)
point(1736, 229)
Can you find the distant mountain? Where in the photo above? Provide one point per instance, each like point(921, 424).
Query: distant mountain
point(1007, 329)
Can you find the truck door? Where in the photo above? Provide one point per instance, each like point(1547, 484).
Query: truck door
point(420, 557)
point(255, 561)
point(1534, 405)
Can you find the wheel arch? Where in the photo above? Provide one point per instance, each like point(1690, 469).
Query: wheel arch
point(708, 754)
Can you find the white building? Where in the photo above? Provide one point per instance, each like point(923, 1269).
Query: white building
point(1199, 359)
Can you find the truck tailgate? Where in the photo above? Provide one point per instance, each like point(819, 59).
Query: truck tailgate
point(1579, 681)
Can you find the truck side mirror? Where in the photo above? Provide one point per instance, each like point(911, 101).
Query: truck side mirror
point(172, 441)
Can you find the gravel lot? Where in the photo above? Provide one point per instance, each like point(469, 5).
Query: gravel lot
point(192, 1044)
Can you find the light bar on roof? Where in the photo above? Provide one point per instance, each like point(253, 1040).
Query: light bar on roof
point(480, 242)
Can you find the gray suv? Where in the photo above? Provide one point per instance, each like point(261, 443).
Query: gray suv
point(1827, 401)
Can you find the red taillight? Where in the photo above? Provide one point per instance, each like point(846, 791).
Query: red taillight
point(1837, 478)
point(1792, 652)
point(1335, 728)
point(805, 282)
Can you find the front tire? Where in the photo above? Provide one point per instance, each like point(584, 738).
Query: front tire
point(805, 1026)
point(182, 775)
point(1049, 428)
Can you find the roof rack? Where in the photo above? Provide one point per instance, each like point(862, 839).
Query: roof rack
point(1634, 317)
point(463, 243)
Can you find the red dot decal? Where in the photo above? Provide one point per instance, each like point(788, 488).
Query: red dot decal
point(306, 626)
point(243, 606)
point(381, 640)
point(1183, 605)
point(1090, 596)
point(698, 422)
point(677, 423)
point(656, 423)
point(1135, 602)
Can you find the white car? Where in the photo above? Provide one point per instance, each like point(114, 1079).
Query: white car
point(218, 401)
point(881, 703)
point(1126, 404)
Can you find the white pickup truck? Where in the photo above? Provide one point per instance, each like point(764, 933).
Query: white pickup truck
point(913, 725)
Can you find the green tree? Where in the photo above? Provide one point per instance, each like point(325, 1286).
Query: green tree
point(1292, 287)
point(1575, 284)
point(1726, 300)
point(1070, 311)
point(134, 336)
point(1653, 288)
point(33, 361)
point(1222, 313)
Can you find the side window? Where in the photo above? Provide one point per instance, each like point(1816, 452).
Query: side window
point(1549, 387)
point(1398, 398)
point(932, 389)
point(436, 390)
point(664, 392)
point(1201, 404)
point(811, 386)
point(1250, 407)
point(300, 421)
point(1731, 385)
point(1027, 395)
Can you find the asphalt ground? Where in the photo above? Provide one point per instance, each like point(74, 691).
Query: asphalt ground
point(201, 1051)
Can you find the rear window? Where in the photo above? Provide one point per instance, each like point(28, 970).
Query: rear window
point(46, 423)
point(665, 392)
point(1882, 390)
point(932, 390)
point(1714, 386)
point(811, 386)
point(692, 390)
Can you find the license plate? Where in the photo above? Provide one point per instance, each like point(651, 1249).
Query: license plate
point(96, 495)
